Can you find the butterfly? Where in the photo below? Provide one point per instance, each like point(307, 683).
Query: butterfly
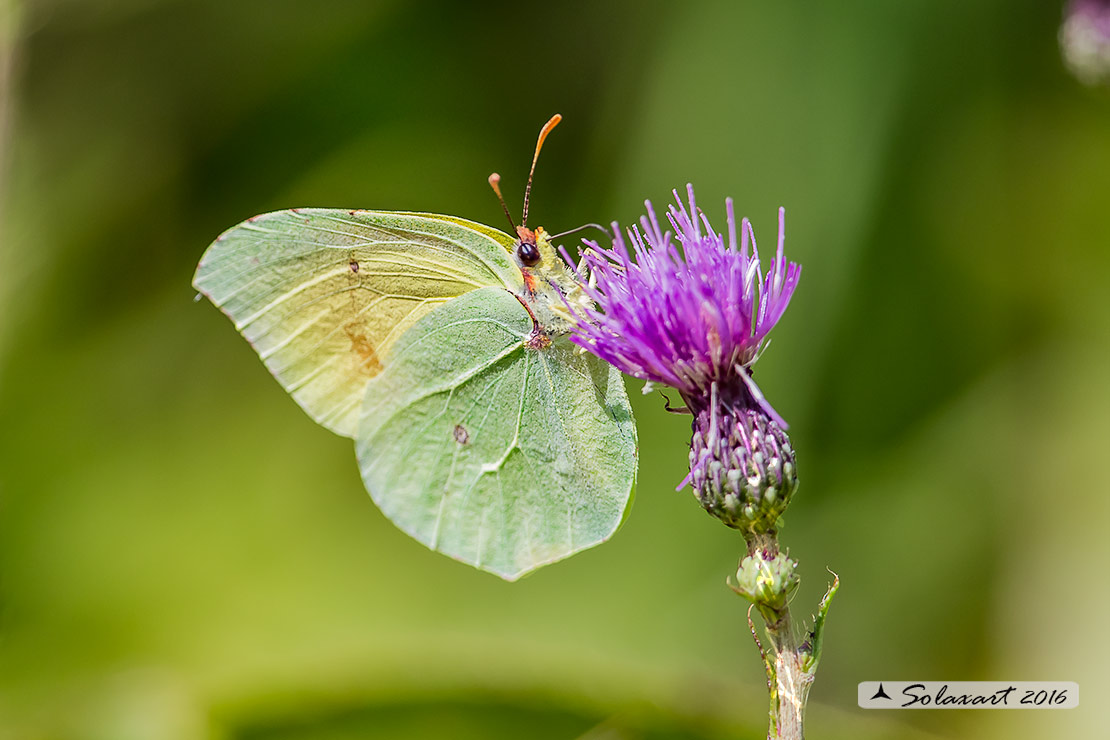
point(441, 347)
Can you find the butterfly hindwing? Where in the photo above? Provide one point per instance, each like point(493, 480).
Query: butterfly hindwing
point(322, 294)
point(499, 454)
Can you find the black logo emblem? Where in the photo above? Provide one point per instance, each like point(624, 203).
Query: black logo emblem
point(880, 694)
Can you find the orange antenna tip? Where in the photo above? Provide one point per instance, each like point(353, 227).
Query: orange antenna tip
point(495, 183)
point(551, 123)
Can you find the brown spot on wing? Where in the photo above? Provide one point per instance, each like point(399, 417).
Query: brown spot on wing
point(363, 349)
point(462, 436)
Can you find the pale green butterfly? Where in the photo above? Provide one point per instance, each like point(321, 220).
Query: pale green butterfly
point(440, 345)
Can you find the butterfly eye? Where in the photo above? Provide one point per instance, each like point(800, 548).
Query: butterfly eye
point(528, 253)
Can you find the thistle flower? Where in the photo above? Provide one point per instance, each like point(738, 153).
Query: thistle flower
point(1085, 40)
point(695, 315)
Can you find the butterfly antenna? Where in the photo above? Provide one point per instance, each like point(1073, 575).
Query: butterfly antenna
point(552, 123)
point(495, 183)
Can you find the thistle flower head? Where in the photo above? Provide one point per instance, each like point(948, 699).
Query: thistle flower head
point(1085, 40)
point(688, 311)
point(693, 311)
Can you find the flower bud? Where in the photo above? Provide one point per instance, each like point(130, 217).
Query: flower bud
point(767, 580)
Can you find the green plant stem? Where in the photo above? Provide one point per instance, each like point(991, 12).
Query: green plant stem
point(792, 682)
point(767, 579)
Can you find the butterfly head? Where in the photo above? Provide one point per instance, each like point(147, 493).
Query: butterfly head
point(540, 264)
point(533, 249)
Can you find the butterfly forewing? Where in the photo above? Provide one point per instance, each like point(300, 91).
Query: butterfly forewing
point(323, 294)
point(500, 454)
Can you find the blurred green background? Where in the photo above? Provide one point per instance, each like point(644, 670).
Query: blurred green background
point(184, 554)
